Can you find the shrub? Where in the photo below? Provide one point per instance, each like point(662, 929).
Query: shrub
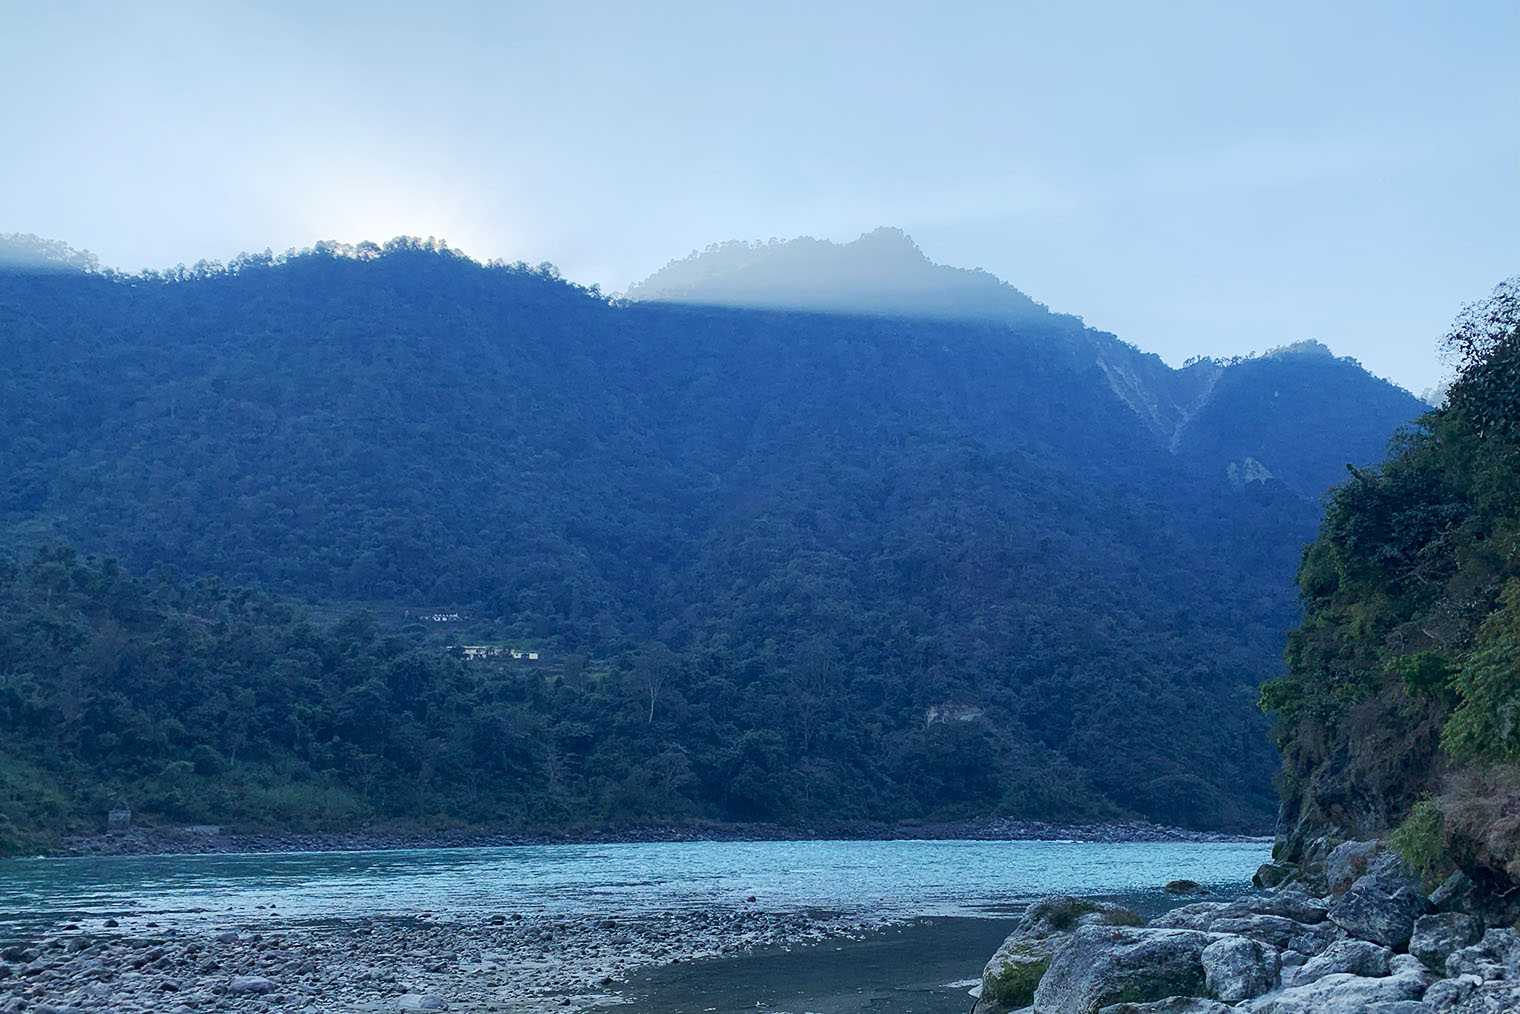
point(1421, 839)
point(1014, 986)
point(1486, 725)
point(1063, 915)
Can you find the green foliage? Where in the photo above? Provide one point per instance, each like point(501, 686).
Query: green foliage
point(1411, 635)
point(1124, 917)
point(1422, 673)
point(773, 543)
point(1014, 986)
point(1064, 915)
point(1421, 839)
point(1486, 724)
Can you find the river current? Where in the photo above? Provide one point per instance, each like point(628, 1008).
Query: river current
point(886, 879)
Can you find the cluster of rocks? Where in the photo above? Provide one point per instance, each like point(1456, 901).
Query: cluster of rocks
point(499, 962)
point(1374, 943)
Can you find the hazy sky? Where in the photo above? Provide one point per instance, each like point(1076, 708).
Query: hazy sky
point(1211, 177)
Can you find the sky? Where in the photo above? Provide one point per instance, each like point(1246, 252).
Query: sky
point(1205, 178)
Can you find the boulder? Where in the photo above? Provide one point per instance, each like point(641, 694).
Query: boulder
point(1105, 965)
point(420, 1001)
point(1381, 907)
point(249, 985)
point(1498, 997)
point(1290, 905)
point(1282, 933)
point(1273, 874)
point(1496, 956)
point(1238, 968)
point(1198, 915)
point(1171, 1005)
point(1010, 978)
point(1455, 893)
point(1350, 957)
point(1343, 993)
point(1436, 936)
point(1061, 915)
point(1444, 994)
point(1282, 904)
point(1347, 863)
point(1185, 886)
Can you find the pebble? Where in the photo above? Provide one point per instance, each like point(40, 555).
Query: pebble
point(530, 964)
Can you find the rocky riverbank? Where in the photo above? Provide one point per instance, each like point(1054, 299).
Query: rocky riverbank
point(496, 963)
point(197, 841)
point(1355, 936)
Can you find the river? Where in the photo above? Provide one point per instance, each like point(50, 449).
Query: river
point(484, 915)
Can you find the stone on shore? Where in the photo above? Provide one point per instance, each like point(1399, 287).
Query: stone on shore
point(1010, 977)
point(1171, 1005)
point(1381, 907)
point(1496, 956)
point(249, 984)
point(1437, 937)
point(1348, 862)
point(1444, 994)
point(1289, 904)
point(1344, 993)
point(1104, 965)
point(1283, 904)
point(1281, 933)
point(1238, 968)
point(1273, 874)
point(1350, 957)
point(1455, 893)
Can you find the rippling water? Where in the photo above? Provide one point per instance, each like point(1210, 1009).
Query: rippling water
point(893, 879)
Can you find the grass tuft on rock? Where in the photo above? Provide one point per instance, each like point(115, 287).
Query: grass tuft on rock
point(1014, 986)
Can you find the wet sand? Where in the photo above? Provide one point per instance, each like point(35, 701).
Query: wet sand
point(923, 967)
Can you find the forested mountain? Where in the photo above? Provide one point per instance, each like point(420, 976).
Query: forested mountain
point(778, 564)
point(1401, 709)
point(1248, 418)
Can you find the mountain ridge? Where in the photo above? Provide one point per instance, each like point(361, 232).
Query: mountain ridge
point(767, 542)
point(885, 273)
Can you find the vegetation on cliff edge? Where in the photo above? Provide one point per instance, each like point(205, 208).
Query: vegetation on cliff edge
point(1402, 704)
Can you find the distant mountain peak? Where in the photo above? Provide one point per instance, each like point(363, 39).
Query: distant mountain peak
point(26, 252)
point(1308, 347)
point(881, 273)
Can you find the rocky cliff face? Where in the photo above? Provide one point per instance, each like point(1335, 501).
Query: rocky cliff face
point(1361, 936)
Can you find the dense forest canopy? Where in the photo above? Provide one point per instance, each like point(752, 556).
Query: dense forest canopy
point(1402, 704)
point(778, 565)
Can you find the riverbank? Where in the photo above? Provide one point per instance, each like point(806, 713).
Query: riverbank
point(672, 926)
point(1354, 931)
point(494, 964)
point(200, 841)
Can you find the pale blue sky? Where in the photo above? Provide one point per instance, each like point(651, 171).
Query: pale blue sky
point(1206, 178)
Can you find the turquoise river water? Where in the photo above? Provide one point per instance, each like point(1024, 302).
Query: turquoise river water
point(887, 879)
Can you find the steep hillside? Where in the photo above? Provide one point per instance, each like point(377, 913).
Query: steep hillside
point(1245, 419)
point(1400, 708)
point(780, 547)
point(1252, 426)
